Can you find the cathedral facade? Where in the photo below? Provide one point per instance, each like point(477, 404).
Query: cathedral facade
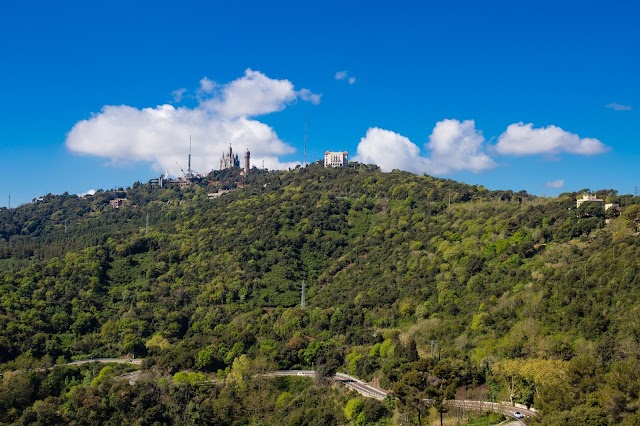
point(229, 160)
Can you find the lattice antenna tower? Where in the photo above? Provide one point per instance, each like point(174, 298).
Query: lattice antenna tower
point(189, 161)
point(305, 140)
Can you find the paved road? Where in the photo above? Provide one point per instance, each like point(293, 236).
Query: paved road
point(106, 361)
point(372, 392)
point(505, 409)
point(131, 377)
point(360, 387)
point(349, 381)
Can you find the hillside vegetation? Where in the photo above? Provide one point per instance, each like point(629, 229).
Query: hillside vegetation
point(426, 286)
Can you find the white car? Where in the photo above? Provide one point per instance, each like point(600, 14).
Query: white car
point(518, 415)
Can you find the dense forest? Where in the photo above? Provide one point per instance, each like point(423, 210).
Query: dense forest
point(428, 287)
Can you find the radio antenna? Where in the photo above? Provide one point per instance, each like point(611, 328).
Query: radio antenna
point(305, 139)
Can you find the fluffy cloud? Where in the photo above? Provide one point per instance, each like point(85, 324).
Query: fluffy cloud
point(206, 85)
point(178, 94)
point(523, 139)
point(390, 150)
point(160, 135)
point(255, 94)
point(457, 145)
point(618, 107)
point(454, 145)
point(307, 95)
point(555, 183)
point(89, 192)
point(344, 75)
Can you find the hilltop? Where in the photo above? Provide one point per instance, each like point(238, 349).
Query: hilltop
point(502, 293)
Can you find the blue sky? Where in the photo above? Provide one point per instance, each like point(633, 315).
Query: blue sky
point(530, 95)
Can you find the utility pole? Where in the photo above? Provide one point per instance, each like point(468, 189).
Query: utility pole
point(302, 305)
point(146, 227)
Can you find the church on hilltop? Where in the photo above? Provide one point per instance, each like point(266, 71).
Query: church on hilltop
point(229, 160)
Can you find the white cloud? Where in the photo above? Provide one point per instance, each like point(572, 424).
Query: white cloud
point(453, 145)
point(390, 150)
point(524, 139)
point(206, 85)
point(178, 94)
point(555, 183)
point(307, 95)
point(160, 135)
point(89, 192)
point(255, 94)
point(618, 107)
point(457, 145)
point(341, 75)
point(344, 75)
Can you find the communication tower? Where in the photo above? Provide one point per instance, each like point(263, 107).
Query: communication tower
point(189, 174)
point(305, 140)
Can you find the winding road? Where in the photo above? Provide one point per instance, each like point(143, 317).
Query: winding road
point(348, 381)
point(107, 361)
point(372, 392)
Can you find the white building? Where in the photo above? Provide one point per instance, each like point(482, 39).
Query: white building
point(592, 198)
point(336, 159)
point(588, 198)
point(615, 206)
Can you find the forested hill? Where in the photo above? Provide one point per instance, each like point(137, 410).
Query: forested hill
point(402, 273)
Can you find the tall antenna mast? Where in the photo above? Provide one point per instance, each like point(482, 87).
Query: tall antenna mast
point(305, 139)
point(302, 296)
point(189, 163)
point(9, 200)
